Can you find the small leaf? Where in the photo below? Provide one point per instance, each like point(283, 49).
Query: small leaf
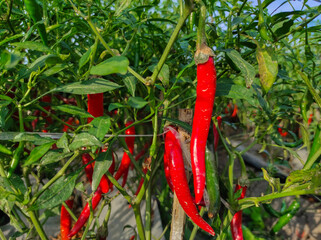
point(130, 83)
point(95, 85)
point(74, 110)
point(114, 106)
point(54, 156)
point(63, 142)
point(116, 64)
point(137, 102)
point(85, 58)
point(100, 127)
point(163, 75)
point(59, 192)
point(102, 164)
point(268, 66)
point(273, 182)
point(53, 70)
point(37, 153)
point(248, 71)
point(84, 140)
point(33, 138)
point(36, 46)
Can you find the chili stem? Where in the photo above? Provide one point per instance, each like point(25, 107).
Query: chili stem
point(69, 211)
point(181, 21)
point(148, 212)
point(2, 235)
point(139, 222)
point(37, 225)
point(118, 186)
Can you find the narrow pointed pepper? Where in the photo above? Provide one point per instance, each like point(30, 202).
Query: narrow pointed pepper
point(95, 105)
point(205, 95)
point(236, 223)
point(178, 176)
point(125, 162)
point(86, 213)
point(65, 220)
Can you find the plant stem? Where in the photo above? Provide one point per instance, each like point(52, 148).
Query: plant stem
point(181, 20)
point(139, 222)
point(119, 187)
point(55, 178)
point(148, 213)
point(2, 235)
point(37, 225)
point(53, 116)
point(201, 38)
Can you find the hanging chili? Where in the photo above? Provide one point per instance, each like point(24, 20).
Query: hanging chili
point(236, 223)
point(205, 94)
point(16, 159)
point(65, 220)
point(180, 184)
point(95, 105)
point(84, 215)
point(125, 162)
point(215, 132)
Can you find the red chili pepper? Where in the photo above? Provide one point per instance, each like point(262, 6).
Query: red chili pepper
point(282, 133)
point(236, 223)
point(215, 132)
point(180, 184)
point(234, 113)
point(86, 213)
point(141, 181)
point(167, 170)
point(95, 105)
point(310, 119)
point(65, 220)
point(125, 162)
point(205, 95)
point(70, 121)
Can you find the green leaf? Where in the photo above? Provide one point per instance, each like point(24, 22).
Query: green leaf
point(63, 142)
point(100, 127)
point(54, 156)
point(268, 66)
point(95, 85)
point(114, 106)
point(33, 138)
point(116, 64)
point(84, 140)
point(59, 192)
point(37, 153)
point(163, 75)
point(248, 71)
point(130, 83)
point(102, 164)
point(235, 91)
point(84, 58)
point(18, 183)
point(273, 182)
point(137, 102)
point(180, 123)
point(36, 46)
point(53, 70)
point(74, 110)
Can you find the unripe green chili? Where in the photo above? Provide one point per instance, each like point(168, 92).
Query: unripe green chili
point(285, 219)
point(270, 210)
point(5, 150)
point(16, 159)
point(212, 183)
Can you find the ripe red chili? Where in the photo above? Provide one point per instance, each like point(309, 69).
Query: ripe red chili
point(234, 113)
point(167, 171)
point(125, 162)
point(205, 95)
point(236, 223)
point(310, 119)
point(95, 105)
point(86, 213)
point(180, 184)
point(282, 133)
point(215, 132)
point(65, 220)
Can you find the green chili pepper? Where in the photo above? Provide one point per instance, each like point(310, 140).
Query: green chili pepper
point(16, 158)
point(285, 219)
point(35, 12)
point(276, 138)
point(247, 234)
point(314, 148)
point(270, 210)
point(5, 150)
point(212, 183)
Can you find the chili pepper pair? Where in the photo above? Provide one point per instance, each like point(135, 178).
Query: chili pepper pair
point(175, 164)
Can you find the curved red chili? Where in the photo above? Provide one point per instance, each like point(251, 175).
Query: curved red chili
point(65, 220)
point(167, 171)
point(86, 213)
point(125, 162)
point(180, 184)
point(236, 223)
point(205, 95)
point(215, 132)
point(95, 105)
